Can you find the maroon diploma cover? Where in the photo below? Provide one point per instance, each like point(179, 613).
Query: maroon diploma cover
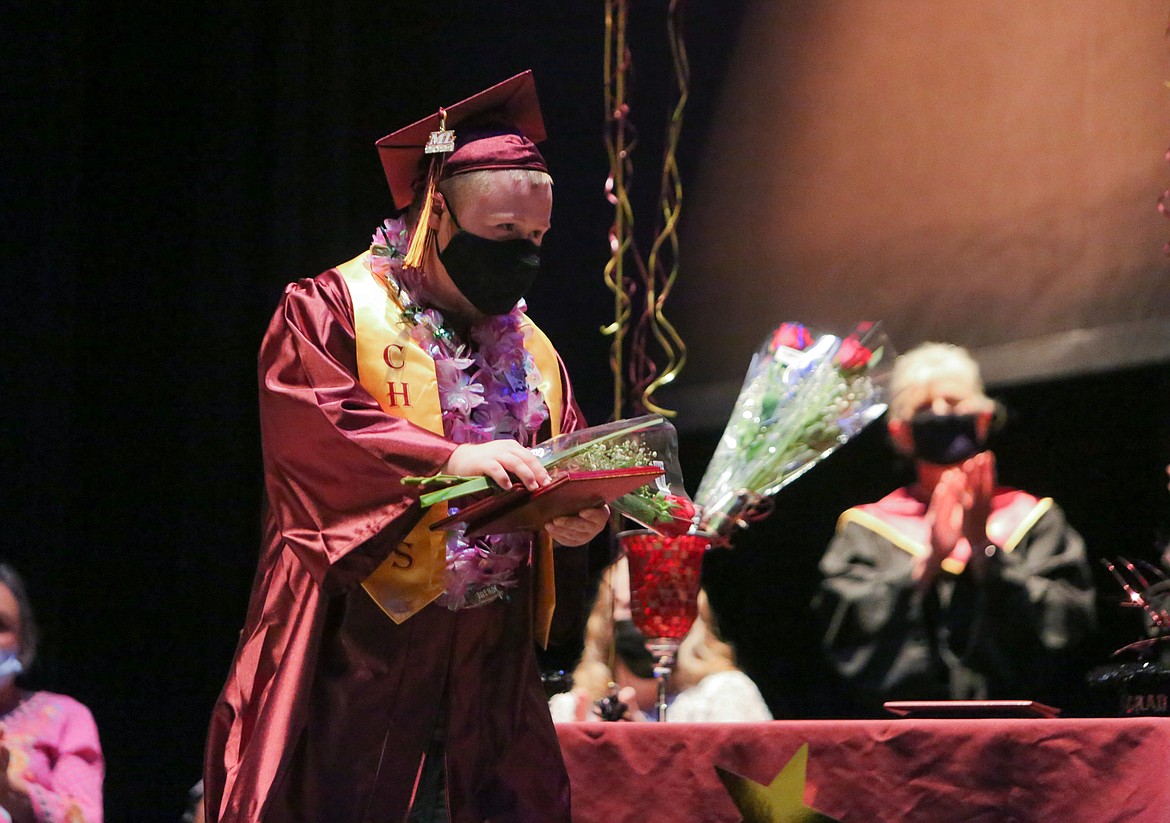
point(519, 509)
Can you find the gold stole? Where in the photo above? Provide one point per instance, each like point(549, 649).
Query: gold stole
point(401, 376)
point(1007, 526)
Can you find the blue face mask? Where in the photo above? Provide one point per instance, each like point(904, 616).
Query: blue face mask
point(10, 666)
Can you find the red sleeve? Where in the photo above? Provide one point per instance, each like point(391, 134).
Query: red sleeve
point(333, 460)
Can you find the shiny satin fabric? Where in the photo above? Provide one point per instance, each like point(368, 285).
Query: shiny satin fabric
point(401, 376)
point(334, 462)
point(359, 755)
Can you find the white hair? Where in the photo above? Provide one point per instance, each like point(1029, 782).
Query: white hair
point(471, 184)
point(926, 363)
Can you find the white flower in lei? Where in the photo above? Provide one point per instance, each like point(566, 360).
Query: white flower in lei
point(488, 392)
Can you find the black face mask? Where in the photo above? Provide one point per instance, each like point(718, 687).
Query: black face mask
point(492, 274)
point(945, 439)
point(630, 645)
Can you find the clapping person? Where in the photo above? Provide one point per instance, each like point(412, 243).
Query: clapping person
point(953, 587)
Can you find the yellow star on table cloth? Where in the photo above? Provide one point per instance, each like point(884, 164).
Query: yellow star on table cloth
point(781, 801)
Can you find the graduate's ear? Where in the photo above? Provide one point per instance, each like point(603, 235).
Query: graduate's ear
point(438, 209)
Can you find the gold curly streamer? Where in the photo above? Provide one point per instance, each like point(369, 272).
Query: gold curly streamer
point(619, 144)
point(655, 275)
point(670, 207)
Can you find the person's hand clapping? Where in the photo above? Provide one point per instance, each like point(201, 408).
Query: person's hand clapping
point(980, 477)
point(945, 516)
point(980, 473)
point(498, 460)
point(959, 508)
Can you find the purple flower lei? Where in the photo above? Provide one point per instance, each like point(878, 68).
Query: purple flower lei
point(486, 393)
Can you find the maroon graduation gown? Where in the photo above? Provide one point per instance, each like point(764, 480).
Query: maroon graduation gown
point(329, 705)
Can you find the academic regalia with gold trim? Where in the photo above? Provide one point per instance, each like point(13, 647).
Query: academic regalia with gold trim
point(346, 665)
point(885, 639)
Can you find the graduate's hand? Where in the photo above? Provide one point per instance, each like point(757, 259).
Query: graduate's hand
point(496, 460)
point(578, 529)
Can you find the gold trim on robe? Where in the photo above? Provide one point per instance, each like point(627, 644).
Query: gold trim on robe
point(1007, 526)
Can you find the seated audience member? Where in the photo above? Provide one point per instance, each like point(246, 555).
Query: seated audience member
point(51, 763)
point(706, 685)
point(194, 812)
point(711, 687)
point(951, 588)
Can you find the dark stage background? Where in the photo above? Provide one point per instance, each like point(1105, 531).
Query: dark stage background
point(167, 169)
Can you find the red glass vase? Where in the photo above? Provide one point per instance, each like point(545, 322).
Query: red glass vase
point(664, 581)
point(664, 593)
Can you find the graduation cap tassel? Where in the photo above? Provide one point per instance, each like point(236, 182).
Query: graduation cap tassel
point(422, 237)
point(439, 145)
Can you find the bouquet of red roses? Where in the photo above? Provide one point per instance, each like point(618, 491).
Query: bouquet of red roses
point(804, 396)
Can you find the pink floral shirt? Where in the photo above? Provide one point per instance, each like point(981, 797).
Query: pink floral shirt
point(54, 748)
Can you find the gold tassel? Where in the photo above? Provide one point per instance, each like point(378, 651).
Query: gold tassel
point(439, 145)
point(422, 237)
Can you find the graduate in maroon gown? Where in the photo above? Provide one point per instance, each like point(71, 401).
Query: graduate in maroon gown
point(385, 667)
point(954, 587)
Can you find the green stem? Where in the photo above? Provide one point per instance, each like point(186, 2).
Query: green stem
point(479, 484)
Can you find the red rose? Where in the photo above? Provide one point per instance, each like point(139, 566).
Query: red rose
point(681, 506)
point(791, 335)
point(682, 513)
point(852, 355)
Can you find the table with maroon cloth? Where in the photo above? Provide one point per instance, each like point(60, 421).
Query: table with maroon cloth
point(878, 770)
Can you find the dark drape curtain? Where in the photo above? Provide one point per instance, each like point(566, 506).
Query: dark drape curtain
point(166, 169)
point(39, 260)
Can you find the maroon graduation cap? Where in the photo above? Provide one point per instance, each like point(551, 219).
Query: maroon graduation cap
point(498, 128)
point(494, 129)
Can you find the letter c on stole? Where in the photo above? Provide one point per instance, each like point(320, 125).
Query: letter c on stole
point(393, 356)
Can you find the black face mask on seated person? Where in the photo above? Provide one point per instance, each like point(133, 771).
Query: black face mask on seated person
point(630, 644)
point(492, 274)
point(945, 439)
